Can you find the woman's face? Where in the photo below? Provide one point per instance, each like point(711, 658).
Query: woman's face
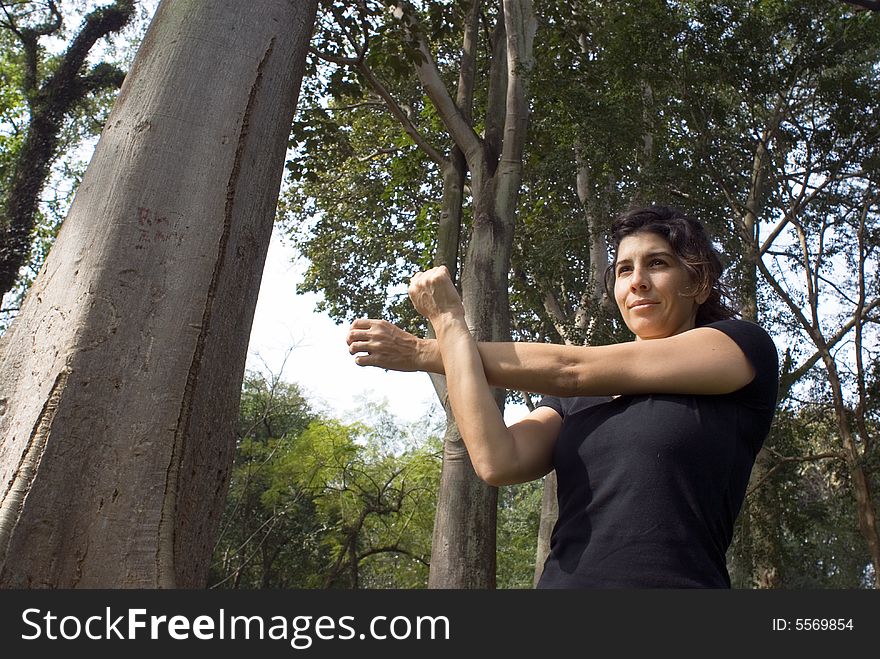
point(653, 290)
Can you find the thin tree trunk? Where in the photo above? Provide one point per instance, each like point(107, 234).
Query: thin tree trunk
point(549, 515)
point(865, 511)
point(463, 547)
point(120, 378)
point(591, 318)
point(759, 553)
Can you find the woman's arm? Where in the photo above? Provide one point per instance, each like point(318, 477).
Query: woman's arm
point(700, 361)
point(500, 455)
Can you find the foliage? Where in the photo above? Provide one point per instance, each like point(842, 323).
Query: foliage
point(317, 503)
point(519, 513)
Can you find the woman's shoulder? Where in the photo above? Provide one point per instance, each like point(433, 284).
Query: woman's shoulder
point(758, 347)
point(749, 336)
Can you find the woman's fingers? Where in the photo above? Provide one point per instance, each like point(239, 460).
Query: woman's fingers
point(359, 346)
point(365, 336)
point(357, 335)
point(380, 343)
point(360, 330)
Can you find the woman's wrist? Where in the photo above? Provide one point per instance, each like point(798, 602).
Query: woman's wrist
point(427, 357)
point(448, 321)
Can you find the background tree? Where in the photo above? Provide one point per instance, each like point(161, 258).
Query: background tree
point(316, 503)
point(779, 138)
point(56, 92)
point(704, 106)
point(384, 54)
point(118, 423)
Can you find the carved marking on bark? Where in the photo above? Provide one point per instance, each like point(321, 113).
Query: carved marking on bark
point(165, 565)
point(153, 229)
point(20, 484)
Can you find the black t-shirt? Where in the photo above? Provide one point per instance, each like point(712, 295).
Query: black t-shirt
point(649, 486)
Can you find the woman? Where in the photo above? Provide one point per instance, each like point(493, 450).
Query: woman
point(653, 440)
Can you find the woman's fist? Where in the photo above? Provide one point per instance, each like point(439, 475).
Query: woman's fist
point(433, 293)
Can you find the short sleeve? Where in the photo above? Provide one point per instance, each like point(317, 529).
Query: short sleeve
point(553, 403)
point(761, 352)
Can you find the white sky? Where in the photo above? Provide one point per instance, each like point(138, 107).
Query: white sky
point(319, 362)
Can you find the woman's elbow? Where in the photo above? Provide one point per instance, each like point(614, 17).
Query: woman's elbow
point(492, 477)
point(498, 473)
point(493, 470)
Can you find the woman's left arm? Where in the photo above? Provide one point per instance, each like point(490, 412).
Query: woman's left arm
point(700, 361)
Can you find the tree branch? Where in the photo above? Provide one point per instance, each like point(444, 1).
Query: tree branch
point(461, 131)
point(520, 26)
point(392, 549)
point(57, 96)
point(398, 113)
point(467, 69)
point(784, 460)
point(495, 103)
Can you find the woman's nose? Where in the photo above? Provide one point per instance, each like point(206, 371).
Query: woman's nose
point(638, 280)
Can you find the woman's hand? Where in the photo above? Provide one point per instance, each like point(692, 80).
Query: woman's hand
point(387, 346)
point(433, 294)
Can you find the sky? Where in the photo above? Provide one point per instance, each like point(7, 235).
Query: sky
point(286, 326)
point(289, 338)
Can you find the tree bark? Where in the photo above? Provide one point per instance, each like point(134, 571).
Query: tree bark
point(549, 516)
point(463, 547)
point(120, 378)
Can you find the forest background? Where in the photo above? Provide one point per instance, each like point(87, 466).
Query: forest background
point(415, 143)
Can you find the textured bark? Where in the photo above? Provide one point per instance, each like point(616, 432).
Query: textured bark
point(463, 547)
point(549, 515)
point(120, 378)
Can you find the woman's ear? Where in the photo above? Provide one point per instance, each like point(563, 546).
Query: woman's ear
point(702, 296)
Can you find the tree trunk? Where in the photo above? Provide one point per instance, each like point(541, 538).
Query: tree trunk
point(463, 547)
point(120, 378)
point(757, 557)
point(866, 512)
point(592, 318)
point(549, 516)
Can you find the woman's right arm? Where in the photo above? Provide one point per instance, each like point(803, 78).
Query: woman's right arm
point(500, 455)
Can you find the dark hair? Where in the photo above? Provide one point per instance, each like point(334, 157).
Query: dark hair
point(691, 244)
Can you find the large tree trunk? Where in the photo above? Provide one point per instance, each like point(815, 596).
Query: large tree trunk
point(120, 378)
